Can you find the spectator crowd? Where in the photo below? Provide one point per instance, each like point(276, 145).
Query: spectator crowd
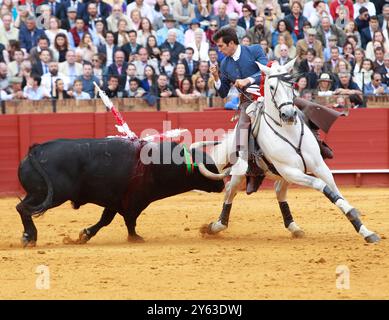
point(56, 49)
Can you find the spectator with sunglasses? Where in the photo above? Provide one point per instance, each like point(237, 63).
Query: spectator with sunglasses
point(376, 87)
point(369, 5)
point(212, 28)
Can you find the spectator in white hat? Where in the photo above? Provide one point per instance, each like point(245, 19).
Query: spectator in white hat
point(324, 85)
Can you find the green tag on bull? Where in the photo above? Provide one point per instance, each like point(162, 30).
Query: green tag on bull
point(188, 160)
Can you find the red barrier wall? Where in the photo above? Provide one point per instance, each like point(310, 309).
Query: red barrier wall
point(360, 141)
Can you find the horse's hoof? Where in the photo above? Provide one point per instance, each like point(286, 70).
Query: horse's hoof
point(295, 230)
point(135, 238)
point(213, 228)
point(373, 238)
point(28, 244)
point(298, 234)
point(83, 237)
point(27, 241)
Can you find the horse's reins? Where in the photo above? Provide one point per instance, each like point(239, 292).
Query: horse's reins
point(297, 149)
point(282, 77)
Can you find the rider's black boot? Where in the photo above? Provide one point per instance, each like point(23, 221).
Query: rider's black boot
point(253, 183)
point(254, 176)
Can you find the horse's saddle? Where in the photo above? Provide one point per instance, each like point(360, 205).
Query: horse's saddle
point(258, 164)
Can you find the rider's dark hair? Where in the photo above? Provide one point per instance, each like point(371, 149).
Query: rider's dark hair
point(227, 35)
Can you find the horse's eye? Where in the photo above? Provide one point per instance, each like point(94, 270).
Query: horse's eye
point(271, 87)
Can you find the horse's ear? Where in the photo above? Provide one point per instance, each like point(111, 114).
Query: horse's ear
point(290, 64)
point(263, 68)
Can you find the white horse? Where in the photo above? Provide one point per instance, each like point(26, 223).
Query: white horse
point(288, 144)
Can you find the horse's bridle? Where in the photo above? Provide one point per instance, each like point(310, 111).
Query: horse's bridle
point(283, 77)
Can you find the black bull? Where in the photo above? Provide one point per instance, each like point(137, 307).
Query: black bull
point(106, 172)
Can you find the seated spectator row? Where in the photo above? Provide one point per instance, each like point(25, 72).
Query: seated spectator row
point(161, 48)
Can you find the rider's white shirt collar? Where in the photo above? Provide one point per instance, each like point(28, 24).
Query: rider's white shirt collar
point(237, 52)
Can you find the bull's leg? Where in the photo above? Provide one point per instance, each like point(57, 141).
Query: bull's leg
point(105, 220)
point(30, 233)
point(130, 219)
point(281, 188)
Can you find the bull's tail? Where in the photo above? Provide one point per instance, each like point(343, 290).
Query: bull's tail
point(40, 209)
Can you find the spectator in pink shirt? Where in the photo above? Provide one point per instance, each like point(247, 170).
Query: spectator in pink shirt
point(232, 6)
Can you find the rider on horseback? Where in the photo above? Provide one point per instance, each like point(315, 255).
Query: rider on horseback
point(239, 68)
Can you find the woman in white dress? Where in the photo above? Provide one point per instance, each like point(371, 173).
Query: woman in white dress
point(363, 77)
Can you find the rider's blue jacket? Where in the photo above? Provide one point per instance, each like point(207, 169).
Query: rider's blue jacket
point(244, 67)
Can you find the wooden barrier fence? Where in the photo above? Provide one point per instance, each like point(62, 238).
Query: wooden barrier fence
point(96, 105)
point(138, 104)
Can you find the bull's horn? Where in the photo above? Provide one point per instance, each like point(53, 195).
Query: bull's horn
point(201, 144)
point(210, 175)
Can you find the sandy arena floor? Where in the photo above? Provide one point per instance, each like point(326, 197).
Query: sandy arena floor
point(254, 259)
